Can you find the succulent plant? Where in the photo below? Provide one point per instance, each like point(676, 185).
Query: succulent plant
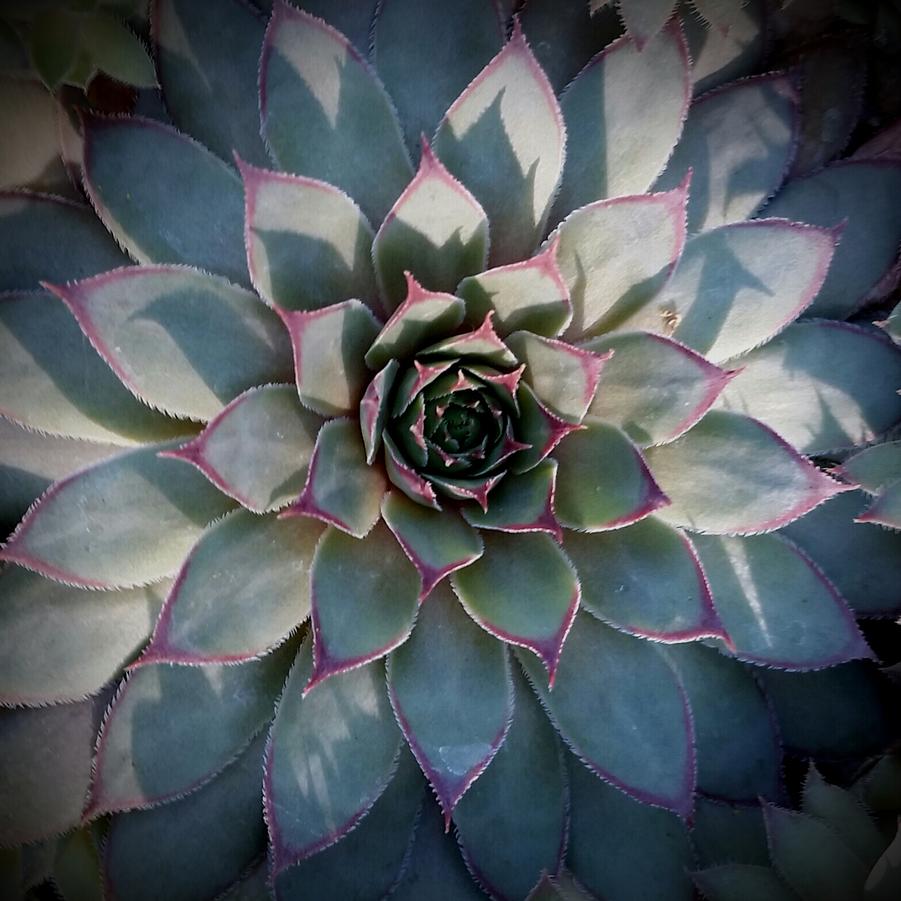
point(438, 456)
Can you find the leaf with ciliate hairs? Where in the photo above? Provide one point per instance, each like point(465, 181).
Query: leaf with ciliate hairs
point(859, 196)
point(207, 61)
point(504, 138)
point(615, 255)
point(646, 580)
point(731, 474)
point(53, 381)
point(524, 795)
point(522, 590)
point(821, 385)
point(164, 197)
point(739, 141)
point(139, 514)
point(326, 115)
point(360, 613)
point(201, 843)
point(617, 147)
point(646, 747)
point(451, 42)
point(308, 244)
point(347, 722)
point(46, 237)
point(183, 341)
point(171, 728)
point(241, 591)
point(454, 735)
point(436, 231)
point(649, 851)
point(257, 450)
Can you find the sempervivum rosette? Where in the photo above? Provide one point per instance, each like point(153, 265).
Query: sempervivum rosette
point(494, 490)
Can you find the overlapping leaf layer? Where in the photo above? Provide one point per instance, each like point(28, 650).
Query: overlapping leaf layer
point(413, 440)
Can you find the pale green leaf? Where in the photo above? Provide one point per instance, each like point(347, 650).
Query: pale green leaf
point(645, 18)
point(308, 244)
point(742, 882)
point(729, 833)
point(171, 728)
point(332, 752)
point(326, 115)
point(616, 145)
point(875, 467)
point(115, 50)
point(504, 138)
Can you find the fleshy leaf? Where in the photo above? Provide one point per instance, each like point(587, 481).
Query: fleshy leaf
point(451, 42)
point(31, 151)
point(374, 409)
point(821, 385)
point(653, 388)
point(523, 590)
point(52, 380)
point(437, 543)
point(208, 63)
point(353, 20)
point(363, 611)
point(522, 796)
point(845, 814)
point(455, 734)
point(437, 231)
point(172, 728)
point(742, 882)
point(165, 198)
point(521, 503)
point(616, 146)
point(530, 296)
point(886, 144)
point(603, 481)
point(326, 115)
point(646, 747)
point(833, 74)
point(476, 489)
point(76, 866)
point(424, 316)
point(434, 868)
point(886, 509)
point(645, 580)
point(308, 244)
point(814, 861)
point(778, 608)
point(137, 516)
point(649, 851)
point(241, 591)
point(539, 428)
point(731, 474)
point(329, 345)
point(884, 880)
point(873, 468)
point(616, 255)
point(46, 237)
point(46, 769)
point(562, 376)
point(504, 138)
point(837, 712)
point(832, 537)
point(402, 475)
point(368, 862)
point(737, 286)
point(341, 488)
point(481, 345)
point(719, 57)
point(645, 18)
point(258, 448)
point(342, 731)
point(201, 843)
point(738, 751)
point(859, 195)
point(30, 462)
point(102, 630)
point(183, 341)
point(738, 141)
